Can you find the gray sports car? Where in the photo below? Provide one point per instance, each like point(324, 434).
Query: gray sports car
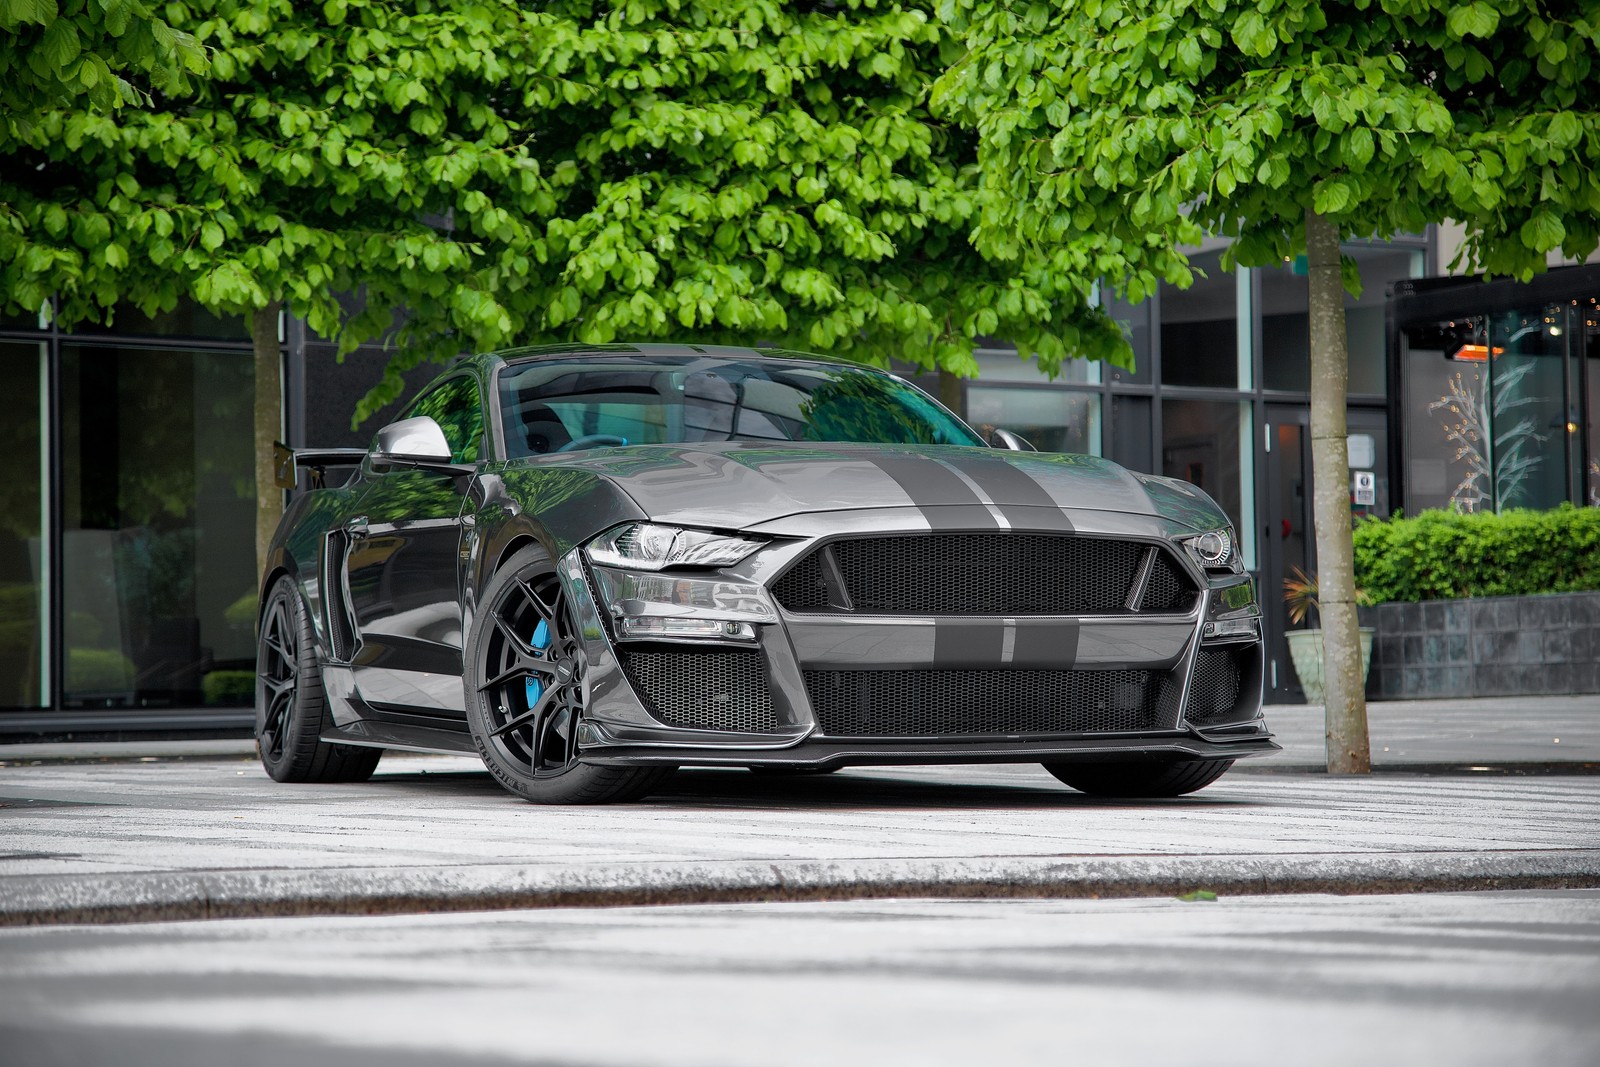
point(591, 566)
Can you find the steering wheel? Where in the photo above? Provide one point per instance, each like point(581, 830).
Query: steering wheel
point(592, 440)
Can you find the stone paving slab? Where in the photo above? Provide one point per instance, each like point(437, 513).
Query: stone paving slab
point(115, 841)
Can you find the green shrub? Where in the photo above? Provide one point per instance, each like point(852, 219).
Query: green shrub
point(228, 687)
point(1442, 555)
point(99, 670)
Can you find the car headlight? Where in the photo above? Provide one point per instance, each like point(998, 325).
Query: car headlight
point(648, 547)
point(1214, 550)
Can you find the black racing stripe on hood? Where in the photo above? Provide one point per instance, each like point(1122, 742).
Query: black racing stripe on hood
point(930, 484)
point(1010, 488)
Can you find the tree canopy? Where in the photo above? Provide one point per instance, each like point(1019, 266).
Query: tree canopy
point(593, 170)
point(1133, 129)
point(70, 53)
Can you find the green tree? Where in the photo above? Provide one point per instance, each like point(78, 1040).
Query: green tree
point(771, 171)
point(373, 153)
point(64, 53)
point(1126, 131)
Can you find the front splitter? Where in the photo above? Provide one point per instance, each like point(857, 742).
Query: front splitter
point(829, 753)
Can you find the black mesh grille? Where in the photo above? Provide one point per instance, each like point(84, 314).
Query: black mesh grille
point(1214, 691)
point(1167, 590)
point(925, 703)
point(802, 588)
point(976, 574)
point(704, 690)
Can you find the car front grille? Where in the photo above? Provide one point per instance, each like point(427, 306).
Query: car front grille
point(1214, 690)
point(704, 689)
point(982, 574)
point(928, 703)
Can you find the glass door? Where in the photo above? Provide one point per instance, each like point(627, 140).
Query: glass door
point(24, 544)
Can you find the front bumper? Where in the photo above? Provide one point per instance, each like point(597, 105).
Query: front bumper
point(794, 651)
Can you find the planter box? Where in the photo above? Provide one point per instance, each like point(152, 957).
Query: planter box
point(1493, 646)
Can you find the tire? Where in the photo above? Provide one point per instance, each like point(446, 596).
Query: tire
point(1172, 779)
point(526, 688)
point(291, 705)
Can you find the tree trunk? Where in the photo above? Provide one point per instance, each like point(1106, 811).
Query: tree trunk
point(950, 391)
point(268, 426)
point(1344, 701)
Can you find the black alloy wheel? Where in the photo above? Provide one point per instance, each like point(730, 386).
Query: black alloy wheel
point(1173, 778)
point(526, 687)
point(291, 705)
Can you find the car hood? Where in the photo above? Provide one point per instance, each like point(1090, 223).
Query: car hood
point(743, 484)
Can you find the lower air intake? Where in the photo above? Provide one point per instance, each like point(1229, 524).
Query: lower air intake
point(1215, 689)
point(704, 690)
point(933, 703)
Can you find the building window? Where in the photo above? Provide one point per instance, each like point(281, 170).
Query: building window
point(24, 552)
point(1210, 443)
point(1285, 323)
point(158, 520)
point(1053, 420)
point(1495, 408)
point(1200, 327)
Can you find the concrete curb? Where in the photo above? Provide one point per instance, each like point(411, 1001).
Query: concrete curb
point(165, 896)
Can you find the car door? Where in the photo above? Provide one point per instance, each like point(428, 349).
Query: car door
point(403, 567)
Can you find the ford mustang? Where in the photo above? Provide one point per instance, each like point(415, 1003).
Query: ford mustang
point(590, 566)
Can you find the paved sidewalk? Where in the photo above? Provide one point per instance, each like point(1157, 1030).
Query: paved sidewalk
point(1494, 732)
point(1477, 795)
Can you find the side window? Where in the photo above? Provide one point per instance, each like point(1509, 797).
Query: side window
point(455, 406)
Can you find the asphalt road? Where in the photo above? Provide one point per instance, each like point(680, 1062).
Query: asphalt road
point(1483, 978)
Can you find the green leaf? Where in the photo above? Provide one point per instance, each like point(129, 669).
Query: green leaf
point(1473, 20)
point(1544, 232)
point(60, 45)
point(1564, 130)
point(1331, 197)
point(1197, 895)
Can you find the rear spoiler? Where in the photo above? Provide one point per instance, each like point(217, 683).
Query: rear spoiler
point(285, 460)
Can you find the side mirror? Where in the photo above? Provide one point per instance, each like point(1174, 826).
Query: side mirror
point(417, 443)
point(1013, 442)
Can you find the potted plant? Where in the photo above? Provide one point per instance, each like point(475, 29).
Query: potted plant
point(1305, 646)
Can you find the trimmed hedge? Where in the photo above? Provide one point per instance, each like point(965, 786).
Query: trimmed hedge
point(1445, 555)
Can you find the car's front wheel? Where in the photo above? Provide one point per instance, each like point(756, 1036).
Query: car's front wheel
point(526, 685)
point(1172, 779)
point(291, 705)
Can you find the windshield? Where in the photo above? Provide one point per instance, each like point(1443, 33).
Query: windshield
point(551, 406)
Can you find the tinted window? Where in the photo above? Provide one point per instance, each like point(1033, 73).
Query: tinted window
point(455, 406)
point(553, 405)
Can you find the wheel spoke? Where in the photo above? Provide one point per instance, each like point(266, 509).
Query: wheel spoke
point(546, 608)
point(524, 667)
point(533, 715)
point(518, 642)
point(285, 654)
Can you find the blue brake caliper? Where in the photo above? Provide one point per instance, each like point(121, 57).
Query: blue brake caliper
point(539, 642)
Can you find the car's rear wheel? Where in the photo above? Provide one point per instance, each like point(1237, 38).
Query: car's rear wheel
point(291, 705)
point(1172, 779)
point(526, 687)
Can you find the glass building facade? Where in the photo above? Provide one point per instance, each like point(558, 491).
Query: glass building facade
point(127, 524)
point(126, 533)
